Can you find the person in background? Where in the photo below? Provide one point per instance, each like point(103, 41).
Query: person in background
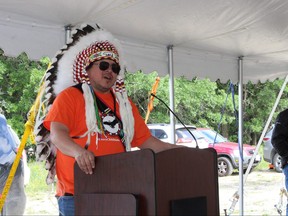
point(280, 143)
point(92, 115)
point(9, 142)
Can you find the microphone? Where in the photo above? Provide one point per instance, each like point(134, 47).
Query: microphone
point(177, 119)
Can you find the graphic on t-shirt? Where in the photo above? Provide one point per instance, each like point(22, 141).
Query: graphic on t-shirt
point(111, 124)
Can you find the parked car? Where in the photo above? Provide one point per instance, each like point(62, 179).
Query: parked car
point(228, 152)
point(269, 153)
point(183, 137)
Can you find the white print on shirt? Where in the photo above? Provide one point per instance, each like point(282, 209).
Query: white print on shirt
point(109, 139)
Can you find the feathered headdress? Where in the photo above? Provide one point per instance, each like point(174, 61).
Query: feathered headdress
point(68, 68)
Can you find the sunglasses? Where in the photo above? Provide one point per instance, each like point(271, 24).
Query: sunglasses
point(103, 65)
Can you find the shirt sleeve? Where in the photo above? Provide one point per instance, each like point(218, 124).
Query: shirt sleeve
point(65, 109)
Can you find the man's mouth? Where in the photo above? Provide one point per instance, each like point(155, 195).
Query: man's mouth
point(107, 77)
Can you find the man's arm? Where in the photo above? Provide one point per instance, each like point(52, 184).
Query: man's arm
point(59, 134)
point(157, 145)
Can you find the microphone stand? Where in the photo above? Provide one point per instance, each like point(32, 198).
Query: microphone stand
point(177, 119)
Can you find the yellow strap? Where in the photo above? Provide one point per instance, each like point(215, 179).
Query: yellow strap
point(33, 112)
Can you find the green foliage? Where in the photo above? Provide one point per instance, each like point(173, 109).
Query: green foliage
point(197, 102)
point(208, 104)
point(19, 83)
point(263, 165)
point(138, 86)
point(258, 101)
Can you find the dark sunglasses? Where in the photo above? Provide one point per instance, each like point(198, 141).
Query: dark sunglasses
point(103, 65)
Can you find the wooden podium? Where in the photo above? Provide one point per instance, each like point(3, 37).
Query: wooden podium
point(180, 181)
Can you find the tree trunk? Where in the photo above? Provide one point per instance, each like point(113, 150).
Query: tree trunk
point(224, 130)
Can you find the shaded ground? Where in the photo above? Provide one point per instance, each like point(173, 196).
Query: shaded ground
point(261, 193)
point(42, 204)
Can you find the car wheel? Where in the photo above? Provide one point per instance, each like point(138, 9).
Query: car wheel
point(224, 167)
point(277, 163)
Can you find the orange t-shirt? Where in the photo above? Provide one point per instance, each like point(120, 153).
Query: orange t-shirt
point(69, 109)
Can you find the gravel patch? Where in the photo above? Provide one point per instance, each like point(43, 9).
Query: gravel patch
point(261, 193)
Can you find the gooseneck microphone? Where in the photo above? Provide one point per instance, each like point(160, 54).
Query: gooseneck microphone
point(177, 119)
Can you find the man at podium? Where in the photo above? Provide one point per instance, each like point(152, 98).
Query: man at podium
point(92, 115)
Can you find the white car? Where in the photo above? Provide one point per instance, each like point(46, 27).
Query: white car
point(190, 138)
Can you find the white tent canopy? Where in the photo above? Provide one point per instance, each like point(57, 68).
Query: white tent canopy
point(207, 36)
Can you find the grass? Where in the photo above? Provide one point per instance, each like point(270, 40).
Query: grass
point(37, 183)
point(263, 165)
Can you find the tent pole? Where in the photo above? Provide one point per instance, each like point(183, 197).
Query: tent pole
point(240, 133)
point(171, 91)
point(67, 33)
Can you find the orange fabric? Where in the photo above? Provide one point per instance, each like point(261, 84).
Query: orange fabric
point(69, 109)
point(150, 103)
point(154, 89)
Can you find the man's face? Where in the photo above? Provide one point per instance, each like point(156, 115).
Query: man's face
point(101, 75)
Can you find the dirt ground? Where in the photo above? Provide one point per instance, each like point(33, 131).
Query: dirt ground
point(261, 193)
point(42, 204)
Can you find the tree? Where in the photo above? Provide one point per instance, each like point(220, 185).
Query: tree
point(258, 100)
point(19, 83)
point(197, 102)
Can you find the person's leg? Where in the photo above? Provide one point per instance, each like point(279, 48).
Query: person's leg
point(16, 199)
point(285, 171)
point(66, 206)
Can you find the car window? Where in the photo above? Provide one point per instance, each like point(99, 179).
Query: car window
point(159, 133)
point(183, 133)
point(213, 136)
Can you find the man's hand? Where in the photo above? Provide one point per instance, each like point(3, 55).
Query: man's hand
point(86, 161)
point(61, 139)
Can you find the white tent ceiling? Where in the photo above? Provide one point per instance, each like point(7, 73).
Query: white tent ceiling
point(207, 36)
